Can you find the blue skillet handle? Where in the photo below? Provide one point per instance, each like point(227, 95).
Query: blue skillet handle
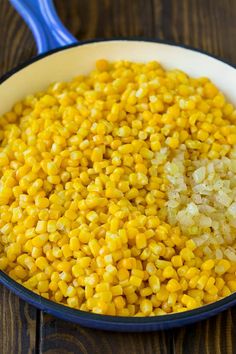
point(41, 17)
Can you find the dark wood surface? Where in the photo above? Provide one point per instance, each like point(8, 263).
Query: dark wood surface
point(206, 24)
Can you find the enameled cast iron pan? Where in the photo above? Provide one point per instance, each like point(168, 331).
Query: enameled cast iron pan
point(61, 57)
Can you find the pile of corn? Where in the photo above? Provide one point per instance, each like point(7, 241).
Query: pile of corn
point(100, 204)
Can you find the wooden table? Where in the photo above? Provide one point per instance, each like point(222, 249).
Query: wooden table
point(205, 24)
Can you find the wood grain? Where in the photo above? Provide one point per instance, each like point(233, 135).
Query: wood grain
point(16, 41)
point(61, 337)
point(18, 325)
point(211, 336)
point(205, 24)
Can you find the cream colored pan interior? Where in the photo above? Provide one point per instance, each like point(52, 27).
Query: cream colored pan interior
point(64, 65)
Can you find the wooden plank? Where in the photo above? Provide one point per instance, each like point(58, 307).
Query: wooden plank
point(60, 337)
point(16, 41)
point(208, 25)
point(18, 332)
point(216, 335)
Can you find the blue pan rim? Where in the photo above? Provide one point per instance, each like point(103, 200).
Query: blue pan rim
point(117, 323)
point(106, 322)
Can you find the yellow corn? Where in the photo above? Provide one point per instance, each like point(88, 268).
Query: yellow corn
point(84, 190)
